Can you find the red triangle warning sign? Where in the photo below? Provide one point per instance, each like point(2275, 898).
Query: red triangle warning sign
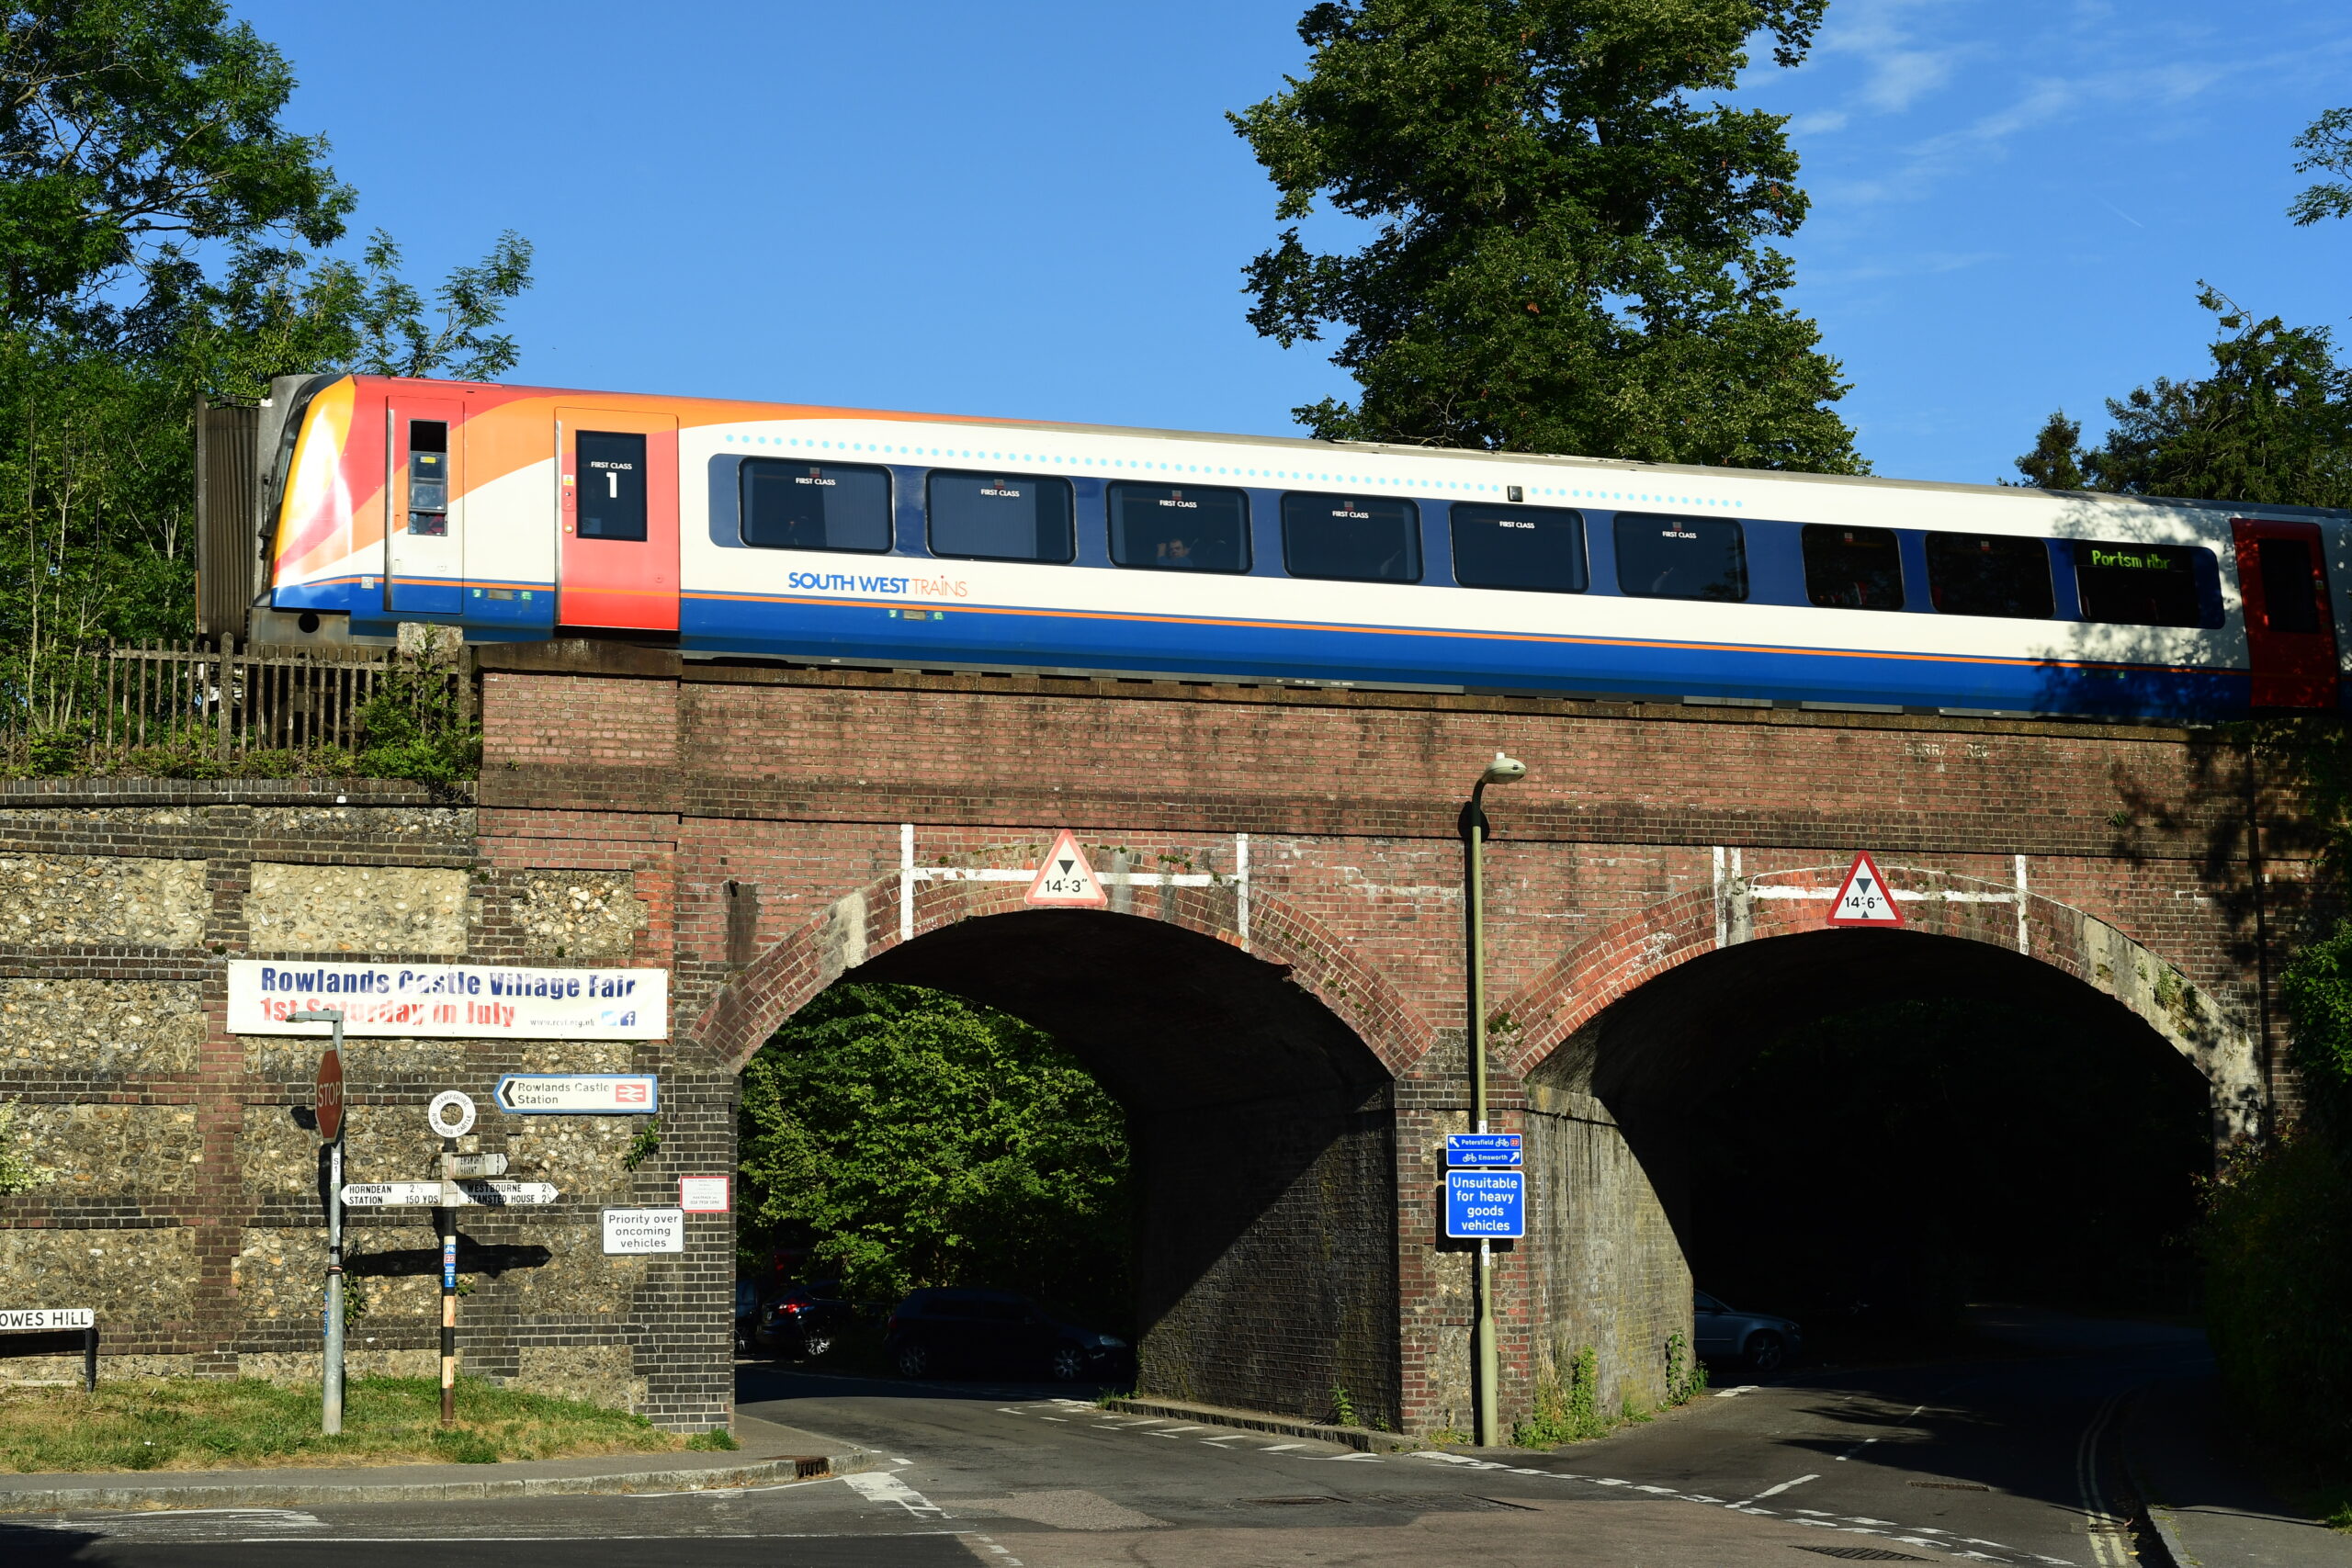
point(1865, 898)
point(1065, 881)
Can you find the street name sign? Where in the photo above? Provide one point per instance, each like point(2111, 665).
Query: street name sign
point(1865, 898)
point(447, 1194)
point(1491, 1203)
point(1065, 881)
point(392, 1194)
point(632, 1231)
point(473, 1164)
point(580, 1094)
point(43, 1320)
point(1481, 1148)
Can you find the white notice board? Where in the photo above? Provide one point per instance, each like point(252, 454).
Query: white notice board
point(629, 1231)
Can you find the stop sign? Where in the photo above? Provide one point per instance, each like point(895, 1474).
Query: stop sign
point(330, 1083)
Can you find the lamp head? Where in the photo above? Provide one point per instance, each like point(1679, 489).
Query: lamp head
point(1503, 770)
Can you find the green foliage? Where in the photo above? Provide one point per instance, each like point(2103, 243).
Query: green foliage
point(2272, 423)
point(923, 1140)
point(2317, 988)
point(18, 1171)
point(1564, 1410)
point(1686, 1375)
point(718, 1440)
point(2327, 145)
point(1573, 248)
point(415, 727)
point(642, 1147)
point(1344, 1406)
point(2277, 1277)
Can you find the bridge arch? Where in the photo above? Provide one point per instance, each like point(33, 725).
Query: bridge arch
point(1615, 1041)
point(1258, 1087)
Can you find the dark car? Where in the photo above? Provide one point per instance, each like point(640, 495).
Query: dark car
point(804, 1322)
point(1760, 1341)
point(747, 1313)
point(937, 1332)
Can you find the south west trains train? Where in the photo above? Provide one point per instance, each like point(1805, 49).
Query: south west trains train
point(825, 536)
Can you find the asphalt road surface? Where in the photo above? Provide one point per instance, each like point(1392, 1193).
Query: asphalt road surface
point(2003, 1460)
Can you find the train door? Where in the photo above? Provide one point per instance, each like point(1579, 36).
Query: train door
point(617, 543)
point(2290, 624)
point(424, 521)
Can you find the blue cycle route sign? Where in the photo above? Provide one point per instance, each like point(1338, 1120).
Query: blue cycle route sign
point(1485, 1203)
point(1481, 1148)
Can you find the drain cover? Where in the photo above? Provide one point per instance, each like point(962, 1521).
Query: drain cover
point(1950, 1486)
point(1865, 1554)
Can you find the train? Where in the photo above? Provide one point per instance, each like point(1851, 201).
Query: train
point(833, 536)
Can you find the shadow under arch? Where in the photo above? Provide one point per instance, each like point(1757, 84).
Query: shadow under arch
point(1260, 1122)
point(1607, 1123)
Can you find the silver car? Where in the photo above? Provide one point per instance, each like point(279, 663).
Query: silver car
point(1757, 1340)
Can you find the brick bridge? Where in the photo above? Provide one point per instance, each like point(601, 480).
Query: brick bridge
point(1276, 996)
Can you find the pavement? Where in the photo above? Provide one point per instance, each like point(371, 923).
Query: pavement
point(2022, 1461)
point(768, 1453)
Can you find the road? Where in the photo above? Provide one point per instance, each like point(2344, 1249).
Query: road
point(1989, 1461)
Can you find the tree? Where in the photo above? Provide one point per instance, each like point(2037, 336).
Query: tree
point(131, 130)
point(928, 1141)
point(1572, 252)
point(2272, 423)
point(2325, 143)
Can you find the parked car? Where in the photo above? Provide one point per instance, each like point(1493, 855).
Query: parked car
point(804, 1322)
point(747, 1313)
point(1759, 1341)
point(936, 1332)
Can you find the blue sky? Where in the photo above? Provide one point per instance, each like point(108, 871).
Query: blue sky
point(1036, 208)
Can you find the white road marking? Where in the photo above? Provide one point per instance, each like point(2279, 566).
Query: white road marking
point(1280, 1447)
point(1783, 1486)
point(1857, 1447)
point(1369, 1458)
point(1063, 1420)
point(876, 1487)
point(1743, 1388)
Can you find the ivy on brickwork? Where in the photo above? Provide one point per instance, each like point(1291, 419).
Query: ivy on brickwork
point(19, 1173)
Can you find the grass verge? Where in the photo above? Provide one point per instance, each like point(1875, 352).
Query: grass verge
point(204, 1423)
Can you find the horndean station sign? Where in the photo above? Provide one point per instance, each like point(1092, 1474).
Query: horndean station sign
point(450, 1000)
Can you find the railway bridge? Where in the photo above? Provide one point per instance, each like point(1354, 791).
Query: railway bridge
point(1275, 993)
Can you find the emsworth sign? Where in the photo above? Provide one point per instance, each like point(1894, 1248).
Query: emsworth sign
point(469, 1001)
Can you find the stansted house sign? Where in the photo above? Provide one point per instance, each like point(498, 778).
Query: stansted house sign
point(468, 1001)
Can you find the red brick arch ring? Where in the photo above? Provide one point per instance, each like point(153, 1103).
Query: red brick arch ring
point(862, 925)
point(1578, 988)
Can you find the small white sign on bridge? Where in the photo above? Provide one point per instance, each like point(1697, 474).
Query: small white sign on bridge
point(637, 1232)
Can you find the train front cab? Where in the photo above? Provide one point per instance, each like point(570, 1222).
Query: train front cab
point(2290, 614)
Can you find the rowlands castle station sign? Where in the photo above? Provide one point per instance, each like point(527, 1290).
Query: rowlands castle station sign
point(1261, 956)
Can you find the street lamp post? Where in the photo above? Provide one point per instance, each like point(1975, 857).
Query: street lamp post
point(1502, 770)
point(331, 1373)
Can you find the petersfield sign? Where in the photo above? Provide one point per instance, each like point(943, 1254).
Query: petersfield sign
point(469, 1001)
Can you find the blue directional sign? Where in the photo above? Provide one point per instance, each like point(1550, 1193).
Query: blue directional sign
point(1485, 1203)
point(1481, 1148)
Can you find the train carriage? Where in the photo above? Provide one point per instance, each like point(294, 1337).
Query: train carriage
point(827, 536)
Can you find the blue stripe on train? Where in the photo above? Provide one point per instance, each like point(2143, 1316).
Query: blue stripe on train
point(862, 632)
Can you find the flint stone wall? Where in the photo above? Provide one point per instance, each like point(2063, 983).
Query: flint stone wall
point(186, 1201)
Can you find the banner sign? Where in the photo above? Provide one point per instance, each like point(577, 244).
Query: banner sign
point(466, 1001)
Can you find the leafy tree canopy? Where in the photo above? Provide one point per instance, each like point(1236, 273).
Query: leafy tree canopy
point(2326, 146)
point(1572, 247)
point(928, 1141)
point(2271, 422)
point(131, 129)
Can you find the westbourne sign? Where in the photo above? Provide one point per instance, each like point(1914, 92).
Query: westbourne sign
point(471, 1002)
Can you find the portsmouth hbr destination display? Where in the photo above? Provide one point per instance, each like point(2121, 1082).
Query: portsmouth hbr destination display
point(827, 536)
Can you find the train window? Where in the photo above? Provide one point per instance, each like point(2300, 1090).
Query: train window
point(1538, 547)
point(1852, 568)
point(2143, 585)
point(428, 477)
point(1989, 574)
point(612, 485)
point(814, 506)
point(1681, 558)
point(1353, 538)
point(1000, 517)
point(2289, 587)
point(1179, 528)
